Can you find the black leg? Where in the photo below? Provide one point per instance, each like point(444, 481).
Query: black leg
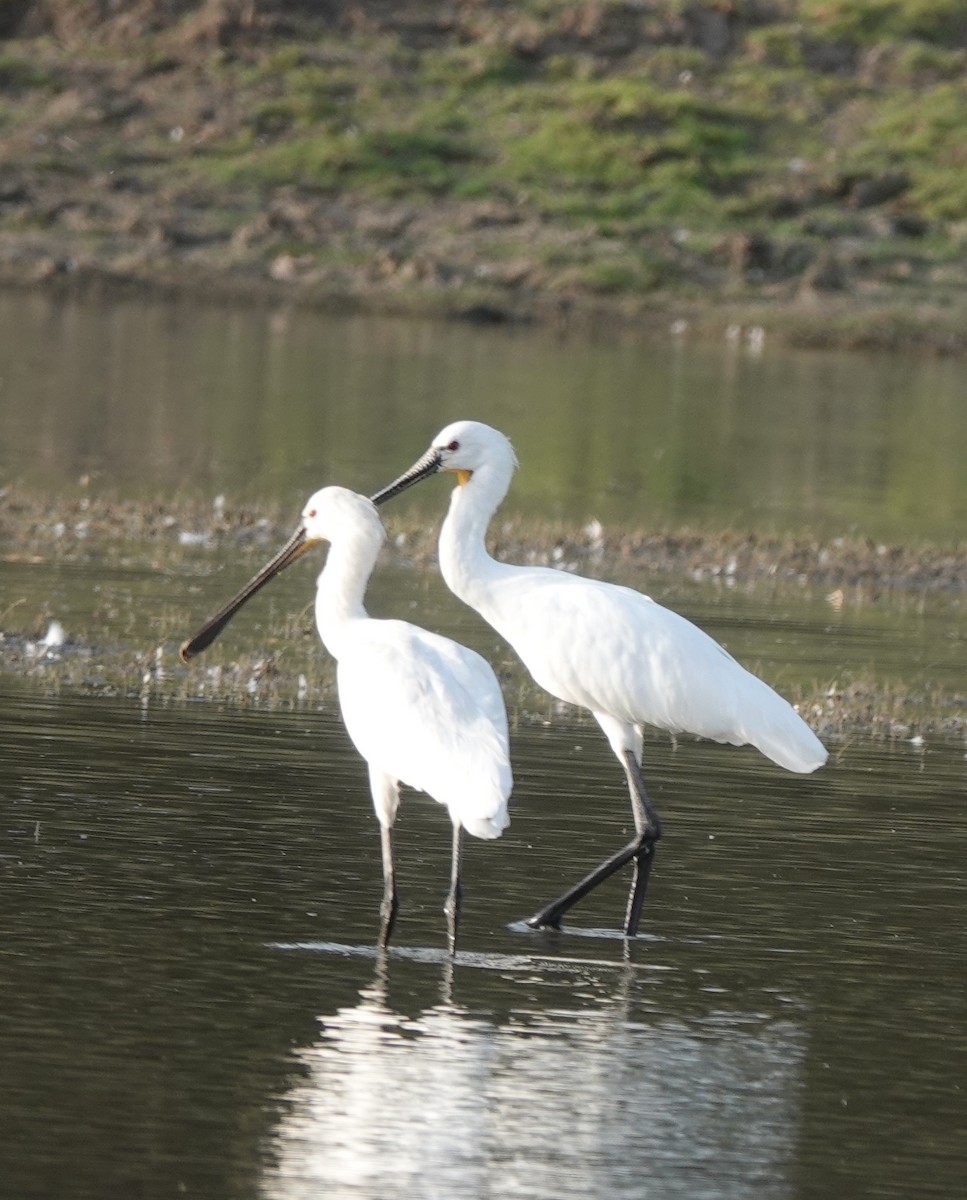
point(641, 849)
point(455, 894)
point(390, 904)
point(639, 886)
point(649, 830)
point(550, 915)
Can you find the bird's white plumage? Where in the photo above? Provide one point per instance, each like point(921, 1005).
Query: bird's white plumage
point(607, 648)
point(421, 709)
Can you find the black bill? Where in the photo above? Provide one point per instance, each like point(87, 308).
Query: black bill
point(429, 464)
point(294, 548)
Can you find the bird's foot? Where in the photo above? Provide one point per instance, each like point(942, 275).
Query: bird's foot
point(544, 920)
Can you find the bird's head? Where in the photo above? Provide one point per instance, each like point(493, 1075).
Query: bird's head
point(329, 514)
point(333, 513)
point(463, 447)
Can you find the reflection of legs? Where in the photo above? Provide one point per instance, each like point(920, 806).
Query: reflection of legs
point(452, 906)
point(641, 849)
point(390, 905)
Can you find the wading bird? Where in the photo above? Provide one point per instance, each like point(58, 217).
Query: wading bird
point(607, 648)
point(421, 709)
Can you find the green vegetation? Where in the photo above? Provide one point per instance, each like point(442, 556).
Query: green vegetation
point(752, 152)
point(796, 114)
point(869, 22)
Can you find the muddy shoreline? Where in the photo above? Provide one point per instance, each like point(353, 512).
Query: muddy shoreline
point(177, 539)
point(92, 527)
point(894, 323)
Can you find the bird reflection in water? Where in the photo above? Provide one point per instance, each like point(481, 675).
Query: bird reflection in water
point(542, 1102)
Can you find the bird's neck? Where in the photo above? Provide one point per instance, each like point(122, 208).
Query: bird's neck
point(465, 564)
point(341, 588)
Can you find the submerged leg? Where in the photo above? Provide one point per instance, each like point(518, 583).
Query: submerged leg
point(390, 904)
point(455, 894)
point(641, 849)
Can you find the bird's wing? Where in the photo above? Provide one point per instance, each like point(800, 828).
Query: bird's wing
point(614, 650)
point(471, 672)
point(429, 713)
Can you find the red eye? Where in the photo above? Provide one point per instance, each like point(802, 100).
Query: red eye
point(311, 513)
point(454, 445)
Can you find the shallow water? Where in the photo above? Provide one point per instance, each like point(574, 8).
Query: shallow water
point(906, 648)
point(193, 1005)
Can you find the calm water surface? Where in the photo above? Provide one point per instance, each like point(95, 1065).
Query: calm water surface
point(153, 399)
point(192, 1003)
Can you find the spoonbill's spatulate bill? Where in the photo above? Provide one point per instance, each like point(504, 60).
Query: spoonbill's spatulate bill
point(607, 648)
point(421, 709)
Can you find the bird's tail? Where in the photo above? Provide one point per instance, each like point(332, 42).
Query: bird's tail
point(787, 740)
point(487, 827)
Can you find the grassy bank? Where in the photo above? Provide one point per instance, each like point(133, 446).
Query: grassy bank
point(798, 164)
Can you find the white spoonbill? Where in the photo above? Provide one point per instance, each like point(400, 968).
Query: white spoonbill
point(421, 709)
point(607, 648)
